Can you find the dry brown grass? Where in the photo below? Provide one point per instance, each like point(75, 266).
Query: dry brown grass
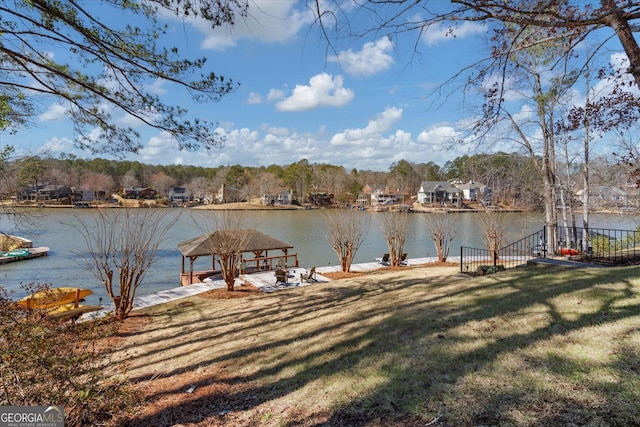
point(407, 346)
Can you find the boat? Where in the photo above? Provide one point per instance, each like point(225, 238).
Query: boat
point(569, 251)
point(54, 297)
point(72, 310)
point(21, 252)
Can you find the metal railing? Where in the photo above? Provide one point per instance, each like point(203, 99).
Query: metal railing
point(599, 245)
point(595, 245)
point(483, 261)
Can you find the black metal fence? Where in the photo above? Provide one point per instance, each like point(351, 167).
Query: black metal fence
point(483, 261)
point(599, 245)
point(594, 245)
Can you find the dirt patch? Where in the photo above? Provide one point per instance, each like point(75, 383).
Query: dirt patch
point(239, 292)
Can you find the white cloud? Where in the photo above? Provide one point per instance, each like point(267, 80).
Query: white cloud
point(371, 59)
point(254, 98)
point(323, 91)
point(276, 130)
point(275, 95)
point(526, 114)
point(157, 87)
point(373, 147)
point(443, 142)
point(58, 145)
point(371, 135)
point(442, 31)
point(268, 21)
point(439, 135)
point(157, 146)
point(55, 112)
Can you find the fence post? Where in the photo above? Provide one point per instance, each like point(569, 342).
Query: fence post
point(461, 258)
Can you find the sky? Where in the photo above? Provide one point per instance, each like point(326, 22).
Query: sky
point(361, 103)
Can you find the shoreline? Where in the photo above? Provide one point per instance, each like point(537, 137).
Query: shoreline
point(249, 206)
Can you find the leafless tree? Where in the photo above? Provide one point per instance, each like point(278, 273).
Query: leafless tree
point(121, 247)
point(199, 187)
point(264, 183)
point(230, 233)
point(161, 182)
point(129, 180)
point(395, 229)
point(492, 227)
point(442, 232)
point(96, 182)
point(347, 230)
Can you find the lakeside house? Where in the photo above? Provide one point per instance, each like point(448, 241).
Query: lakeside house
point(320, 199)
point(439, 192)
point(82, 194)
point(139, 193)
point(475, 192)
point(606, 196)
point(178, 196)
point(379, 196)
point(45, 192)
point(228, 194)
point(277, 196)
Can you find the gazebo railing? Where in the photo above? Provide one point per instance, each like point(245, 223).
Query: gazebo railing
point(268, 263)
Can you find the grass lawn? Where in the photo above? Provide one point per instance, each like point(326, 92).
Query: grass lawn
point(543, 347)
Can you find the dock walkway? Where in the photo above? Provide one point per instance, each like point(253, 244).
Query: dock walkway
point(264, 281)
point(33, 253)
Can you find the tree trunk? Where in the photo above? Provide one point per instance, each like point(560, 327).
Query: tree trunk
point(619, 23)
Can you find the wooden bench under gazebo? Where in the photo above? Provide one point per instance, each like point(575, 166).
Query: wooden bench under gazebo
point(260, 253)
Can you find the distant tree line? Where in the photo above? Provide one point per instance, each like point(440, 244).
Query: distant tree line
point(511, 176)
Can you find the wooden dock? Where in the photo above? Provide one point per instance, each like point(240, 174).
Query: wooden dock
point(33, 253)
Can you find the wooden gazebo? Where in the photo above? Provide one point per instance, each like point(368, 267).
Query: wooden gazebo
point(255, 255)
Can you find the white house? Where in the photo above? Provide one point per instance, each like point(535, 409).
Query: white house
point(473, 191)
point(178, 195)
point(379, 195)
point(436, 192)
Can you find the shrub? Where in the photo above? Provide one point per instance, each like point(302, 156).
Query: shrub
point(8, 243)
point(46, 361)
point(489, 269)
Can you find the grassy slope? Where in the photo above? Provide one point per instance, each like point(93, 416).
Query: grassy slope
point(523, 347)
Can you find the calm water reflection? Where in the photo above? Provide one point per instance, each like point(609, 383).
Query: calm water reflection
point(305, 230)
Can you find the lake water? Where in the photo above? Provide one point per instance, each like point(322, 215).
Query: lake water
point(306, 230)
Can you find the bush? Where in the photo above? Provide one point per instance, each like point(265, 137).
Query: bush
point(47, 361)
point(8, 243)
point(489, 269)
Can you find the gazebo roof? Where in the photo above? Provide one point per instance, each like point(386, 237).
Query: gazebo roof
point(257, 241)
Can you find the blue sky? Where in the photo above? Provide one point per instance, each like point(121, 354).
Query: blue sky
point(366, 104)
